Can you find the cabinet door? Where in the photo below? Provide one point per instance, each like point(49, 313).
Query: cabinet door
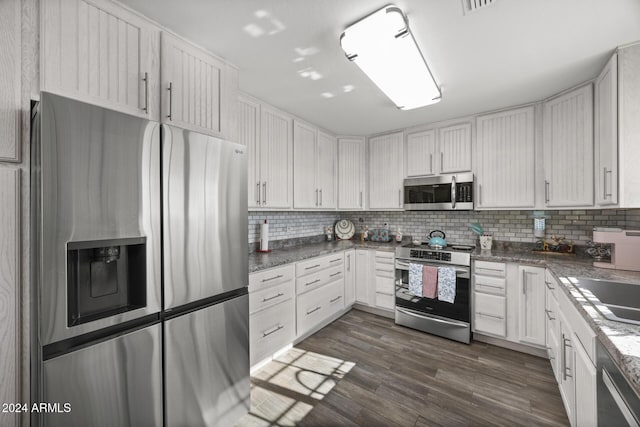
point(568, 149)
point(349, 278)
point(531, 322)
point(455, 148)
point(191, 87)
point(305, 191)
point(100, 53)
point(249, 135)
point(276, 168)
point(363, 276)
point(505, 159)
point(567, 385)
point(351, 173)
point(585, 379)
point(326, 170)
point(606, 134)
point(385, 171)
point(421, 149)
point(10, 80)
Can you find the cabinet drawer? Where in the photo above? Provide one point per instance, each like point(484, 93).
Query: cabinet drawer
point(385, 258)
point(385, 301)
point(335, 297)
point(490, 285)
point(313, 265)
point(385, 285)
point(312, 308)
point(271, 329)
point(551, 284)
point(489, 314)
point(313, 281)
point(271, 295)
point(487, 268)
point(271, 277)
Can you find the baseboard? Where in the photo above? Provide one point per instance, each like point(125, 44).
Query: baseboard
point(375, 310)
point(522, 348)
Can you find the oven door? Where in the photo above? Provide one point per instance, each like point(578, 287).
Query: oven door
point(459, 310)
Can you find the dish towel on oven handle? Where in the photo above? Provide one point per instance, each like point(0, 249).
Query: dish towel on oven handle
point(415, 279)
point(429, 281)
point(447, 284)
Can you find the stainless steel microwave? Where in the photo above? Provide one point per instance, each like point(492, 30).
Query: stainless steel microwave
point(439, 193)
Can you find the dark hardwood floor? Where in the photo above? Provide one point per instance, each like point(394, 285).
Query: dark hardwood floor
point(364, 370)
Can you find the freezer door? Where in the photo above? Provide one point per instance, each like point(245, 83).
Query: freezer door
point(207, 365)
point(114, 383)
point(205, 216)
point(96, 177)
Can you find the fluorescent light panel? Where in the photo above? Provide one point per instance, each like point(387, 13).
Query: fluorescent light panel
point(384, 48)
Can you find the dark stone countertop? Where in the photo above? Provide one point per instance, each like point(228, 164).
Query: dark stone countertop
point(261, 261)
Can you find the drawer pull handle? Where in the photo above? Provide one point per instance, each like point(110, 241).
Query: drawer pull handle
point(313, 266)
point(314, 310)
point(336, 260)
point(490, 286)
point(273, 297)
point(272, 278)
point(549, 285)
point(266, 334)
point(311, 283)
point(335, 274)
point(490, 315)
point(549, 315)
point(336, 299)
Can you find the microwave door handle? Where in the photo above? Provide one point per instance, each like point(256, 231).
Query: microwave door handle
point(453, 192)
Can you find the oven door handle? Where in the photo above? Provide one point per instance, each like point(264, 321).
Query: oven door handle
point(617, 397)
point(401, 265)
point(434, 318)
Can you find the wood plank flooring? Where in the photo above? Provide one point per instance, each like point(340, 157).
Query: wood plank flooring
point(363, 370)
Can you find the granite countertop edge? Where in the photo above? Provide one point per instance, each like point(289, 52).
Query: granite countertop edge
point(561, 267)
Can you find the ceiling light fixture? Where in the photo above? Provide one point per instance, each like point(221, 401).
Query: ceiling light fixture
point(382, 45)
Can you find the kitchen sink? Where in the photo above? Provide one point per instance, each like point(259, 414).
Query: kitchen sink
point(616, 301)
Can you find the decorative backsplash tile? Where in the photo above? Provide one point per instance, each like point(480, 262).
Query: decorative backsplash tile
point(513, 226)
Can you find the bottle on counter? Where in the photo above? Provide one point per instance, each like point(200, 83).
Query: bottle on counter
point(399, 235)
point(366, 233)
point(329, 233)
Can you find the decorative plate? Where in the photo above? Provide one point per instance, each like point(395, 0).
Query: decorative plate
point(345, 229)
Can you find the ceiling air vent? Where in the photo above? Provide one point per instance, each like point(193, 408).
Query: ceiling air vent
point(473, 5)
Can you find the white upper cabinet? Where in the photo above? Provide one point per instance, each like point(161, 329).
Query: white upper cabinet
point(421, 153)
point(455, 148)
point(199, 91)
point(629, 126)
point(568, 149)
point(10, 80)
point(386, 171)
point(276, 156)
point(606, 134)
point(314, 158)
point(249, 135)
point(306, 193)
point(100, 53)
point(505, 159)
point(438, 151)
point(351, 173)
point(327, 151)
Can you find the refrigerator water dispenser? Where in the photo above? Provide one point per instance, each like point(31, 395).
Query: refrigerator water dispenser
point(105, 277)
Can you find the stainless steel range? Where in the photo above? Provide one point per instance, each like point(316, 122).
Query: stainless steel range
point(447, 319)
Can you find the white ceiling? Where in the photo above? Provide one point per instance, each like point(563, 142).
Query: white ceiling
point(510, 53)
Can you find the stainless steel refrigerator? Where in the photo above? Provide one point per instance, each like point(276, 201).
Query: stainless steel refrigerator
point(140, 271)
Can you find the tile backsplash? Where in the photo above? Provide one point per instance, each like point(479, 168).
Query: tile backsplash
point(513, 226)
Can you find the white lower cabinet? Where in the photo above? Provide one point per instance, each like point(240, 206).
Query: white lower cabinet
point(363, 278)
point(384, 280)
point(349, 278)
point(571, 350)
point(272, 323)
point(489, 298)
point(531, 297)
